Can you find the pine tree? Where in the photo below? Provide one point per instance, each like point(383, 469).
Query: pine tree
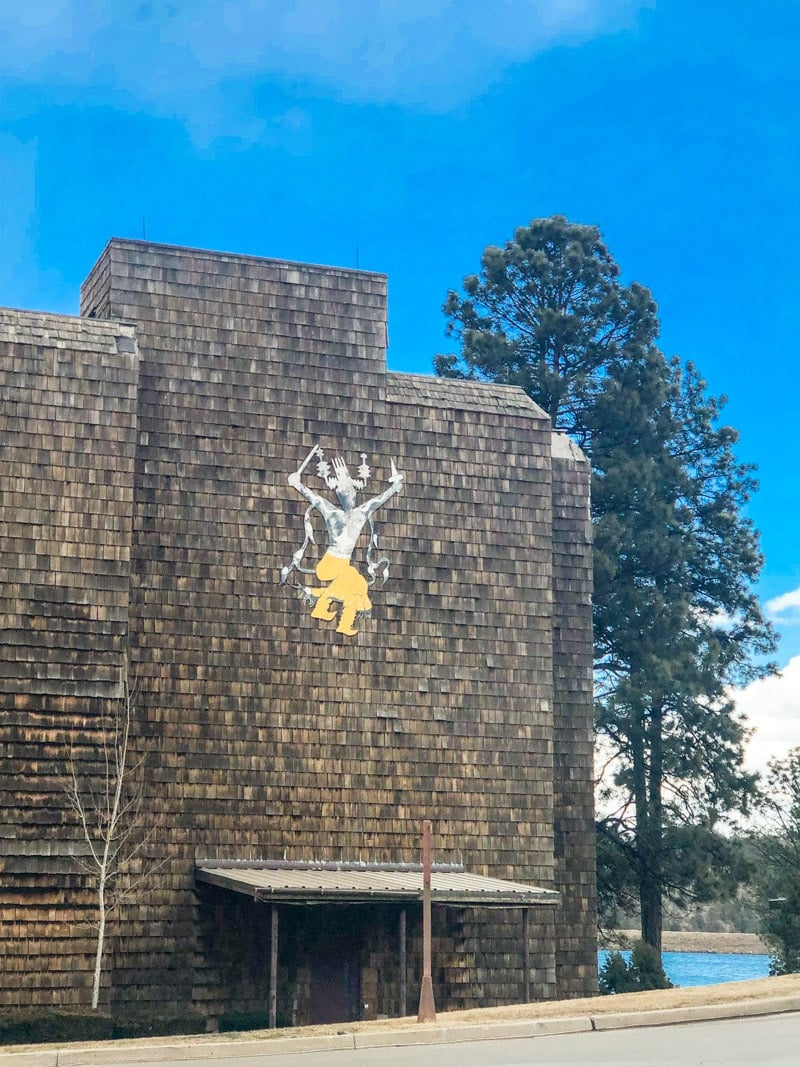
point(675, 619)
point(778, 849)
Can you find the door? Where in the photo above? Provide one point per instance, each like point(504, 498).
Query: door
point(335, 986)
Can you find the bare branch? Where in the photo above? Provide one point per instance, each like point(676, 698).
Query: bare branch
point(113, 820)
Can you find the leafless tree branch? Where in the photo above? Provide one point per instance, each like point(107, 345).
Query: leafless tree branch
point(115, 824)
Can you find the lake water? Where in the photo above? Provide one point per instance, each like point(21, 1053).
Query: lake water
point(707, 968)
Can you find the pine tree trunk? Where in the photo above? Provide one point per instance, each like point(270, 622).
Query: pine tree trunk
point(648, 825)
point(652, 902)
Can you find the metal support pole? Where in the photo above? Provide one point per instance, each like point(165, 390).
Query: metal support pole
point(526, 952)
point(273, 969)
point(403, 995)
point(427, 1006)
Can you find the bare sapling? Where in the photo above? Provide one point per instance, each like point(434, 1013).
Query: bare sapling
point(109, 804)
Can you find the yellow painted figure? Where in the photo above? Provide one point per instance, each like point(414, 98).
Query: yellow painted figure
point(344, 524)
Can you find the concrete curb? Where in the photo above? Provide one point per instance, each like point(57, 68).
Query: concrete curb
point(451, 1035)
point(698, 1013)
point(175, 1051)
point(29, 1059)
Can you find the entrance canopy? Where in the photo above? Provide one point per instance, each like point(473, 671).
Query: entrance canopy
point(360, 883)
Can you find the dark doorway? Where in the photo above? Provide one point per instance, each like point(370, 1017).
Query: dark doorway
point(326, 943)
point(335, 985)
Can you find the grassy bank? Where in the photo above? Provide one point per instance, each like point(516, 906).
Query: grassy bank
point(695, 941)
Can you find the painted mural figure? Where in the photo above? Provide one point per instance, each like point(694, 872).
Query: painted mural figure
point(344, 524)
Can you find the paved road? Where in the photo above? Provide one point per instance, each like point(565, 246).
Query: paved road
point(772, 1041)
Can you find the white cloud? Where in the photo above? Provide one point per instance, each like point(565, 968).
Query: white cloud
point(430, 53)
point(785, 608)
point(772, 707)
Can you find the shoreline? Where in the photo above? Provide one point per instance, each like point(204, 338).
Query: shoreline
point(693, 941)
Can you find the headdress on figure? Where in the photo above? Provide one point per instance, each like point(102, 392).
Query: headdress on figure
point(341, 481)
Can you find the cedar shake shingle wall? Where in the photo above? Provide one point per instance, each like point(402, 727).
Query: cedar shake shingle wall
point(276, 735)
point(67, 432)
point(269, 733)
point(576, 932)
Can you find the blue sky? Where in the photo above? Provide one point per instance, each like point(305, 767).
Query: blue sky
point(405, 136)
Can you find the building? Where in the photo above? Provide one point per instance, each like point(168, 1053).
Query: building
point(293, 740)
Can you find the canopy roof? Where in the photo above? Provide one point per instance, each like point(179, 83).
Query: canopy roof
point(358, 883)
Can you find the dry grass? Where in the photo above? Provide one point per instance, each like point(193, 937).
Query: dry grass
point(726, 993)
point(729, 992)
point(695, 941)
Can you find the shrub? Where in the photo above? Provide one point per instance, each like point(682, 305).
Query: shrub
point(35, 1027)
point(615, 975)
point(244, 1020)
point(46, 1025)
point(647, 968)
point(645, 971)
point(139, 1022)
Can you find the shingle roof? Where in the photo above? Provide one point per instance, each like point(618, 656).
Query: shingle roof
point(454, 393)
point(65, 331)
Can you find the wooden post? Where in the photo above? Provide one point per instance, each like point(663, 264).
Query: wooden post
point(427, 1006)
point(273, 969)
point(403, 996)
point(526, 952)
